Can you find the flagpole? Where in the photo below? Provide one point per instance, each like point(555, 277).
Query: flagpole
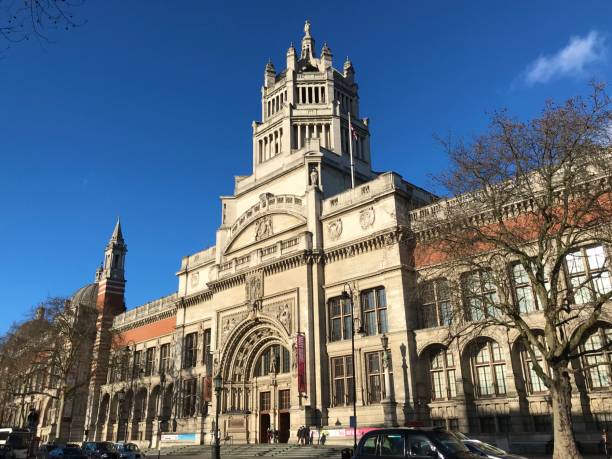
point(351, 149)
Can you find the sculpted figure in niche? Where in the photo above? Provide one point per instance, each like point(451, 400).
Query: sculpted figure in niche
point(314, 176)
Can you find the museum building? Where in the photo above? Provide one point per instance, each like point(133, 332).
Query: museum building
point(313, 245)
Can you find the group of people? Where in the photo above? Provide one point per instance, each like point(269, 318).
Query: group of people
point(306, 436)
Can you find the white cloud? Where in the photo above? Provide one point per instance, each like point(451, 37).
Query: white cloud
point(572, 60)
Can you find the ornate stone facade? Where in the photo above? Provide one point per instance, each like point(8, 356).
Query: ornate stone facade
point(294, 236)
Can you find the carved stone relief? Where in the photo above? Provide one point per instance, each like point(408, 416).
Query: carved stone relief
point(366, 217)
point(263, 227)
point(334, 229)
point(195, 278)
point(253, 285)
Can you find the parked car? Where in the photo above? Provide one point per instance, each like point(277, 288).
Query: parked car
point(14, 443)
point(129, 451)
point(483, 449)
point(67, 452)
point(100, 450)
point(44, 449)
point(415, 443)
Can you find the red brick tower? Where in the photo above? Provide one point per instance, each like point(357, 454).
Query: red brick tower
point(110, 302)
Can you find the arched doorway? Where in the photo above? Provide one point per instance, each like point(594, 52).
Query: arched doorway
point(257, 374)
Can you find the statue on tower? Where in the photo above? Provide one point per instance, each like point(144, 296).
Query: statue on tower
point(307, 28)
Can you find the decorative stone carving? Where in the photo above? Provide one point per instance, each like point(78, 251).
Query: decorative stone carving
point(254, 287)
point(366, 217)
point(281, 311)
point(228, 323)
point(263, 227)
point(334, 229)
point(195, 278)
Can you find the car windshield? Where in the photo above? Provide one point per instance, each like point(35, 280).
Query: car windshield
point(448, 441)
point(486, 448)
point(105, 447)
point(18, 441)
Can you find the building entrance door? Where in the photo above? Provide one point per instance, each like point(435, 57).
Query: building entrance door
point(264, 425)
point(284, 423)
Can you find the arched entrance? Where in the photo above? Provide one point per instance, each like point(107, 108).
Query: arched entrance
point(257, 373)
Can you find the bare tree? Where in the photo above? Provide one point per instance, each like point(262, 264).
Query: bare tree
point(49, 355)
point(532, 206)
point(25, 19)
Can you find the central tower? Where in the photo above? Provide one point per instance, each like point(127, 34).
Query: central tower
point(309, 99)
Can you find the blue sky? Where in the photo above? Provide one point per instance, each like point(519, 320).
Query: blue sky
point(145, 112)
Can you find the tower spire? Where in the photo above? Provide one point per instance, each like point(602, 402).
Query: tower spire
point(114, 255)
point(117, 234)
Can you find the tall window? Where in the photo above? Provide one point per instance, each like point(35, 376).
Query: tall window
point(137, 364)
point(598, 358)
point(442, 369)
point(480, 295)
point(374, 309)
point(190, 350)
point(149, 361)
point(535, 384)
point(342, 376)
point(275, 359)
point(340, 323)
point(375, 376)
point(189, 396)
point(588, 274)
point(489, 369)
point(523, 293)
point(264, 401)
point(436, 307)
point(284, 399)
point(164, 358)
point(207, 354)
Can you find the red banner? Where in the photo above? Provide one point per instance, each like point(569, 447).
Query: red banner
point(301, 363)
point(207, 388)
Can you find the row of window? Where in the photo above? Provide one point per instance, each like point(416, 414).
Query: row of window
point(373, 315)
point(342, 379)
point(586, 273)
point(488, 368)
point(275, 103)
point(143, 362)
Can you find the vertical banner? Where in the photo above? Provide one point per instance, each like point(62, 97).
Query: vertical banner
point(207, 388)
point(301, 362)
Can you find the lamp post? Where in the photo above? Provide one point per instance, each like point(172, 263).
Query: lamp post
point(218, 383)
point(347, 295)
point(162, 383)
point(384, 340)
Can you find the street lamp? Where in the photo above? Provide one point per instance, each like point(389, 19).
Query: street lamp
point(218, 384)
point(162, 383)
point(347, 295)
point(384, 341)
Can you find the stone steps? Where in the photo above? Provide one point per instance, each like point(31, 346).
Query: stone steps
point(251, 450)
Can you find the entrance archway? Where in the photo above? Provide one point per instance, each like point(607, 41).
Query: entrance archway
point(256, 364)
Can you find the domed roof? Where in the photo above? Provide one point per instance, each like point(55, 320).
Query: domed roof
point(85, 295)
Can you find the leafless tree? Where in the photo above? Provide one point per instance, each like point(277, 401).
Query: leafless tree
point(49, 355)
point(528, 197)
point(22, 20)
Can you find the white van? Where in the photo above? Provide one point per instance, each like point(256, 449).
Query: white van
point(14, 443)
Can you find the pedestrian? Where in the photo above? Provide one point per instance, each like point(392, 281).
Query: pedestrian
point(299, 435)
point(307, 435)
point(311, 439)
point(323, 437)
point(605, 441)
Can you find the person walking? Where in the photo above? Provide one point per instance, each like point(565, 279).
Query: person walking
point(606, 444)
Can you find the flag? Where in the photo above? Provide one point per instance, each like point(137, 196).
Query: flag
point(353, 131)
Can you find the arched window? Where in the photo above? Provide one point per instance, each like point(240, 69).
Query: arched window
point(535, 384)
point(488, 369)
point(275, 359)
point(598, 349)
point(442, 372)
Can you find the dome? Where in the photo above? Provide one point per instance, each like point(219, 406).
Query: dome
point(86, 295)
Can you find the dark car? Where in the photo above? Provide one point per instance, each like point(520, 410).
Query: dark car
point(100, 450)
point(415, 443)
point(67, 452)
point(483, 449)
point(129, 451)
